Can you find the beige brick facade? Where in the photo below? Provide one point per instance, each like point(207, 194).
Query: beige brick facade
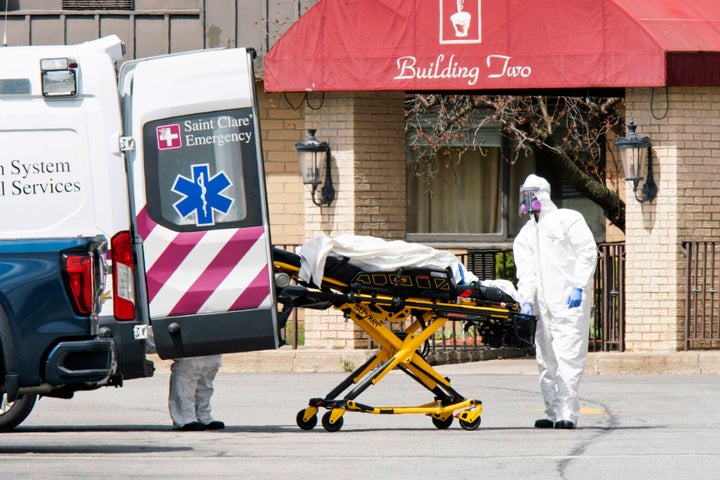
point(683, 128)
point(281, 129)
point(366, 133)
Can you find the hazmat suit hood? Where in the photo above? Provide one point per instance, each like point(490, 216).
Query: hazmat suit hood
point(541, 189)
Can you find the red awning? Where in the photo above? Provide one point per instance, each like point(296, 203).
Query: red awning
point(421, 45)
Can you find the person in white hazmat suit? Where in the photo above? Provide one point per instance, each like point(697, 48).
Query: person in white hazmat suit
point(191, 387)
point(555, 256)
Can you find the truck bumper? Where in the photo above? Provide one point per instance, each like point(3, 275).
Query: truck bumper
point(129, 352)
point(81, 361)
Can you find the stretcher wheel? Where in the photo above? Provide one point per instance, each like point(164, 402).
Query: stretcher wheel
point(470, 425)
point(331, 427)
point(305, 425)
point(442, 423)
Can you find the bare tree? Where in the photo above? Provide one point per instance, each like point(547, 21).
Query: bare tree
point(568, 132)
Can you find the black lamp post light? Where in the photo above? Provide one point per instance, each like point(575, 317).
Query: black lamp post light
point(314, 157)
point(636, 154)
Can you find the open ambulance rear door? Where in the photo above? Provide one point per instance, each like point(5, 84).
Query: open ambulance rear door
point(202, 272)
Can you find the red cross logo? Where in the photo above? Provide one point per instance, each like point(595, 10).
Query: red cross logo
point(168, 137)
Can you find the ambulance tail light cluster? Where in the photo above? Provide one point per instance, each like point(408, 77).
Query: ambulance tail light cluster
point(79, 274)
point(123, 274)
point(59, 77)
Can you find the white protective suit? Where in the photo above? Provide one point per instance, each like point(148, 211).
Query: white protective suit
point(191, 387)
point(553, 255)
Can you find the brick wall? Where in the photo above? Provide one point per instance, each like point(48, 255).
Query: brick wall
point(686, 158)
point(282, 127)
point(380, 165)
point(365, 131)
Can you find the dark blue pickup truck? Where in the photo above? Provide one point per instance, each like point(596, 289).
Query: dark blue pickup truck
point(51, 344)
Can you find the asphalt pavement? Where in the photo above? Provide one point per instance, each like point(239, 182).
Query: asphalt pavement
point(501, 361)
point(632, 426)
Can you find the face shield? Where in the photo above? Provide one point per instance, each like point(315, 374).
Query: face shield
point(529, 203)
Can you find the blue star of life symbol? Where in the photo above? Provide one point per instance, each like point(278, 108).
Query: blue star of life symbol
point(202, 195)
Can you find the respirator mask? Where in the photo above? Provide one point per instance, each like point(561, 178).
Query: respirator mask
point(528, 201)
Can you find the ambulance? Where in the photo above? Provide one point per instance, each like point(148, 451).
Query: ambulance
point(149, 176)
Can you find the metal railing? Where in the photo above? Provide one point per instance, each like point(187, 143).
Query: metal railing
point(702, 302)
point(457, 335)
point(294, 331)
point(607, 331)
point(607, 327)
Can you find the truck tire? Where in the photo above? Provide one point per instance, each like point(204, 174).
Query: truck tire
point(12, 414)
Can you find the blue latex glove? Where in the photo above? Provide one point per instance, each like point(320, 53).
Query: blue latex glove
point(575, 298)
point(526, 308)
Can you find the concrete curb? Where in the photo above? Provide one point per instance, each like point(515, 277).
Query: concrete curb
point(287, 360)
point(284, 360)
point(492, 361)
point(637, 363)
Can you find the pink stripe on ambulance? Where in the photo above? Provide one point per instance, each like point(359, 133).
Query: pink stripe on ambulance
point(227, 265)
point(208, 271)
point(170, 260)
point(256, 294)
point(242, 289)
point(173, 253)
point(144, 224)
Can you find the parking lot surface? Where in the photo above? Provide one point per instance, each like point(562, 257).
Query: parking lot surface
point(632, 427)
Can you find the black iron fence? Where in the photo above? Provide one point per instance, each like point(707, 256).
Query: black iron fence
point(607, 332)
point(607, 328)
point(702, 302)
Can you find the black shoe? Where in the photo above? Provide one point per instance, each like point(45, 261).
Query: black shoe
point(190, 427)
point(214, 425)
point(565, 424)
point(544, 423)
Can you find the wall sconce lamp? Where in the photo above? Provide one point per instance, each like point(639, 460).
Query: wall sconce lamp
point(635, 153)
point(314, 157)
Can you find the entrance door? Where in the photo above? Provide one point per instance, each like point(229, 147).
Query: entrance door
point(198, 203)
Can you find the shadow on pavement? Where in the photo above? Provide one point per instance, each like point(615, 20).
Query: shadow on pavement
point(74, 449)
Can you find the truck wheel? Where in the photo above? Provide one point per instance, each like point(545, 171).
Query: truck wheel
point(12, 414)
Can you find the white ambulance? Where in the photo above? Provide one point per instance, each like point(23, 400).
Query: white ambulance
point(162, 158)
point(202, 278)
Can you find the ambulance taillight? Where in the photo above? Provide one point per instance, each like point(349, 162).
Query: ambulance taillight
point(123, 266)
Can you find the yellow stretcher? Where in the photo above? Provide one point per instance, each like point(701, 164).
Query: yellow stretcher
point(427, 298)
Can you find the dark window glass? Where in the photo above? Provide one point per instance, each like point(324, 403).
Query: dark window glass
point(14, 86)
point(202, 171)
point(97, 4)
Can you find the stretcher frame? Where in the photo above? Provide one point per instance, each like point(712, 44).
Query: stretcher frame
point(372, 311)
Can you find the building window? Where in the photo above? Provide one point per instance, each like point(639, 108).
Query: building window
point(465, 192)
point(97, 4)
point(470, 196)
